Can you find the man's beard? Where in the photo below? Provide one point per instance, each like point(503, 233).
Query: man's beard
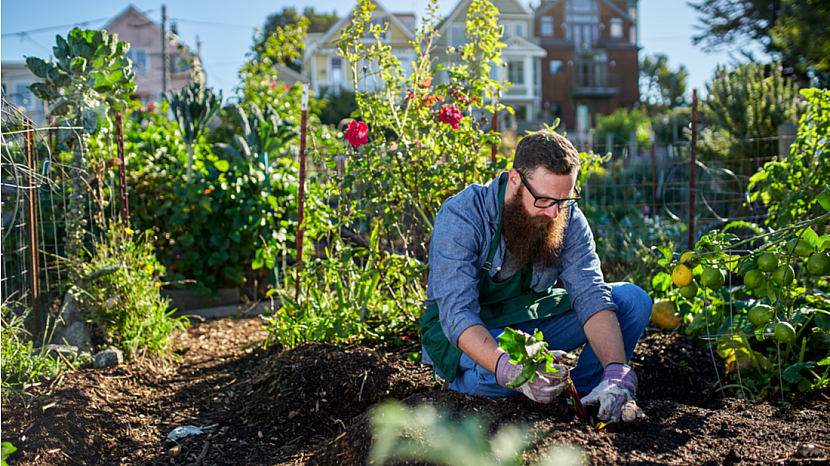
point(533, 240)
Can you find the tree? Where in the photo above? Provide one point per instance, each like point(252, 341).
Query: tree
point(749, 102)
point(802, 31)
point(728, 24)
point(317, 22)
point(660, 87)
point(792, 31)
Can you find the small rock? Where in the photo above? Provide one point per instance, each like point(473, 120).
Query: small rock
point(174, 452)
point(809, 450)
point(110, 357)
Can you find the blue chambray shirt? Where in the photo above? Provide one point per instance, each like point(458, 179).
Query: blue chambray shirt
point(464, 228)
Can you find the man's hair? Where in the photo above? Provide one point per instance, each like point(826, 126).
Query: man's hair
point(546, 149)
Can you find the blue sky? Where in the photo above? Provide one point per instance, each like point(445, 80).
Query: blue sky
point(666, 26)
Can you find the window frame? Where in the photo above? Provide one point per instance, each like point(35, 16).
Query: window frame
point(146, 65)
point(615, 25)
point(543, 22)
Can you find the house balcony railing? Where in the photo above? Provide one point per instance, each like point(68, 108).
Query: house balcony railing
point(595, 84)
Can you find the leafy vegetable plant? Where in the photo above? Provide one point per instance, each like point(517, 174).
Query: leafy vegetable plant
point(527, 351)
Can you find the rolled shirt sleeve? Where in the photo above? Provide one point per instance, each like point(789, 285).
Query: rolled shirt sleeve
point(580, 270)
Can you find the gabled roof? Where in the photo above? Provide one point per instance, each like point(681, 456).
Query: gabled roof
point(341, 23)
point(516, 44)
point(463, 5)
point(131, 9)
point(149, 22)
point(551, 3)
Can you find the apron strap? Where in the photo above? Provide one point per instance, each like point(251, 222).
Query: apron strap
point(494, 245)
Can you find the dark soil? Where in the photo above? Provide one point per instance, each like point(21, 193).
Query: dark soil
point(310, 405)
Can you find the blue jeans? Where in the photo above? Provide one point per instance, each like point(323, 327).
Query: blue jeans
point(562, 332)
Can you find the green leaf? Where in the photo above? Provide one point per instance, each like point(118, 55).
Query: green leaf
point(60, 107)
point(44, 91)
point(90, 121)
point(824, 198)
point(39, 67)
point(661, 282)
point(791, 373)
point(822, 319)
point(222, 165)
point(77, 65)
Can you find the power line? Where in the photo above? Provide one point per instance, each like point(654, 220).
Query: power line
point(52, 28)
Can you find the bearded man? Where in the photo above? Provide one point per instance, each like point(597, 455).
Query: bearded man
point(497, 254)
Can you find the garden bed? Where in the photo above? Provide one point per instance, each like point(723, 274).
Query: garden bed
point(309, 406)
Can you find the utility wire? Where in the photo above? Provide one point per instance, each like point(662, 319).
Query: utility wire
point(52, 28)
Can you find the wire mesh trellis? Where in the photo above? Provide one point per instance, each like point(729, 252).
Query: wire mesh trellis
point(35, 190)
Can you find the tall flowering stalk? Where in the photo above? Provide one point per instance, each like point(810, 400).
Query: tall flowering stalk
point(439, 145)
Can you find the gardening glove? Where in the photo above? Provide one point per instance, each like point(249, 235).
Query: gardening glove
point(615, 394)
point(545, 385)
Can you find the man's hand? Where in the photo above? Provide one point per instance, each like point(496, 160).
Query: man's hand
point(545, 386)
point(615, 394)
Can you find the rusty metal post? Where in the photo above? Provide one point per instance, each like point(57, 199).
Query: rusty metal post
point(654, 199)
point(122, 170)
point(494, 128)
point(31, 207)
point(301, 190)
point(692, 170)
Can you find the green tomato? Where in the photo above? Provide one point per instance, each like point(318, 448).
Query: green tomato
point(761, 314)
point(784, 332)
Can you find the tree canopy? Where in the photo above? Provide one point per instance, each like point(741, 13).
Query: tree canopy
point(794, 31)
point(317, 22)
point(660, 87)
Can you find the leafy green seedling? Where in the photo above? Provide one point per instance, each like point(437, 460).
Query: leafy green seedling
point(527, 351)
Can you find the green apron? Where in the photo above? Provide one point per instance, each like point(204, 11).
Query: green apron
point(508, 303)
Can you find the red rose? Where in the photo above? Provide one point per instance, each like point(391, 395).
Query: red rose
point(357, 133)
point(151, 106)
point(450, 115)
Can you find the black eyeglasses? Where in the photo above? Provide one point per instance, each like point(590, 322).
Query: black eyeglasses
point(545, 202)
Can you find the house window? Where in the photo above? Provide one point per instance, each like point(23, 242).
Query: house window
point(516, 72)
point(546, 25)
point(520, 29)
point(616, 28)
point(140, 58)
point(23, 97)
point(382, 24)
point(556, 67)
point(632, 35)
point(406, 66)
point(336, 72)
point(458, 38)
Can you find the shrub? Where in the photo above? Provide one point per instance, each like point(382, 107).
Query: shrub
point(120, 292)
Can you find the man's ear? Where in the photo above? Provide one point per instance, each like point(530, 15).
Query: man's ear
point(513, 177)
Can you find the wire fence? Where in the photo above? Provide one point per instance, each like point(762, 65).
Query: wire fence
point(645, 197)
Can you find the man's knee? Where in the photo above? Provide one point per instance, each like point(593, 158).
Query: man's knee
point(633, 302)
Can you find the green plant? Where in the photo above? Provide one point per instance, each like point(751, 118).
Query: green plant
point(89, 79)
point(748, 102)
point(21, 362)
point(423, 434)
point(792, 188)
point(120, 292)
point(622, 123)
point(7, 449)
point(193, 107)
point(354, 295)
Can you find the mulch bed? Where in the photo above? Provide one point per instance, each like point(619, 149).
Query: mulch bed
point(311, 405)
